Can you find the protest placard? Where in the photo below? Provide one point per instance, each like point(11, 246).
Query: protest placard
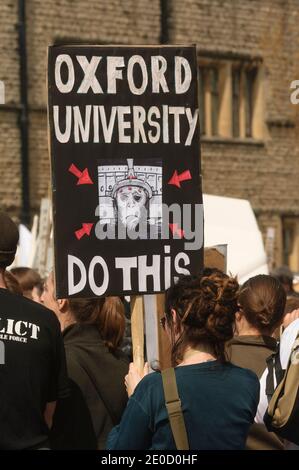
point(125, 157)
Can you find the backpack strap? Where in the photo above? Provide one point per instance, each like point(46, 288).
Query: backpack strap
point(274, 366)
point(282, 415)
point(173, 406)
point(279, 371)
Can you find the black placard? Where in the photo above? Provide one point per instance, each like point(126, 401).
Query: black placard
point(125, 157)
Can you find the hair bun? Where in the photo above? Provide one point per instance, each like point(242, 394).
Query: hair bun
point(205, 308)
point(263, 299)
point(214, 306)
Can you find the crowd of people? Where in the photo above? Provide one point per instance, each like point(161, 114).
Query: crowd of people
point(67, 381)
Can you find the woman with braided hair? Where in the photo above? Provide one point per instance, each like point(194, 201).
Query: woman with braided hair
point(218, 399)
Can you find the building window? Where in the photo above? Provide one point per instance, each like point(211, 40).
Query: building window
point(231, 99)
point(250, 78)
point(209, 100)
point(214, 87)
point(290, 227)
point(236, 85)
point(201, 99)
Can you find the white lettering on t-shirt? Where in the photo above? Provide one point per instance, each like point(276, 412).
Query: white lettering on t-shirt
point(18, 330)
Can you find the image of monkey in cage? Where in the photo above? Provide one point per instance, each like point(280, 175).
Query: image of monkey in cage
point(130, 197)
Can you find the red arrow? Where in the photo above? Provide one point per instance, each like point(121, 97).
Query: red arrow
point(83, 176)
point(176, 179)
point(85, 230)
point(176, 230)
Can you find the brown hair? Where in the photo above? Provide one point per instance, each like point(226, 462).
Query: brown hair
point(108, 314)
point(205, 308)
point(28, 279)
point(262, 299)
point(12, 283)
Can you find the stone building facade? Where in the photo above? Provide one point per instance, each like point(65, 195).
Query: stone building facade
point(248, 55)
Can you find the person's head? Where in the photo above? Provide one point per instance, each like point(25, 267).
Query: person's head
point(48, 297)
point(261, 305)
point(30, 282)
point(106, 313)
point(9, 237)
point(292, 303)
point(12, 283)
point(284, 275)
point(200, 312)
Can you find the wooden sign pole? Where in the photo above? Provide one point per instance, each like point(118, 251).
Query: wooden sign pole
point(137, 330)
point(163, 340)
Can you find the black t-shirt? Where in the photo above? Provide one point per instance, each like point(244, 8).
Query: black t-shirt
point(32, 370)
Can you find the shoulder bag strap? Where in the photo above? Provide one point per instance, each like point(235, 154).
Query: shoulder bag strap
point(173, 406)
